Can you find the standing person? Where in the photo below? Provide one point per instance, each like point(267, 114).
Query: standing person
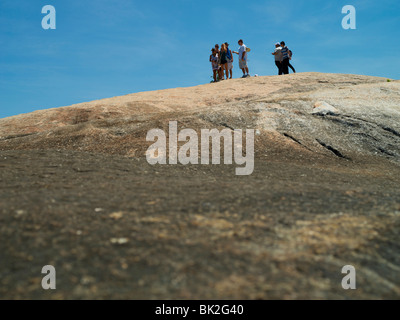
point(230, 59)
point(290, 58)
point(214, 63)
point(224, 62)
point(285, 58)
point(278, 57)
point(243, 58)
point(216, 48)
point(219, 58)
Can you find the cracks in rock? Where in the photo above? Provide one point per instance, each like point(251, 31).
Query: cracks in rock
point(344, 122)
point(295, 140)
point(330, 148)
point(386, 152)
point(391, 131)
point(377, 142)
point(17, 136)
point(366, 135)
point(356, 124)
point(223, 124)
point(226, 126)
point(290, 137)
point(79, 170)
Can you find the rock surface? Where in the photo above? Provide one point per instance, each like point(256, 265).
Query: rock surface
point(77, 193)
point(321, 108)
point(366, 123)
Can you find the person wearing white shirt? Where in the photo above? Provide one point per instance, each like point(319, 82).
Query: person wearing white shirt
point(243, 58)
point(278, 57)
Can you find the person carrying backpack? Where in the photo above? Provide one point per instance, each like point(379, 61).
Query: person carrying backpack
point(285, 58)
point(230, 59)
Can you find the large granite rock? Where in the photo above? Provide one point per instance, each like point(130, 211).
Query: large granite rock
point(77, 193)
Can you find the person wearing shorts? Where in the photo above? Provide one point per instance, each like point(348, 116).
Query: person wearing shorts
point(219, 58)
point(224, 62)
point(230, 59)
point(243, 58)
point(214, 63)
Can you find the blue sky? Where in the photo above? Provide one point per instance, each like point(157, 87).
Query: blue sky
point(104, 48)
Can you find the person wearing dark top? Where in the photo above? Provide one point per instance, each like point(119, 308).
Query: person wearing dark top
point(285, 58)
point(218, 56)
point(223, 61)
point(229, 56)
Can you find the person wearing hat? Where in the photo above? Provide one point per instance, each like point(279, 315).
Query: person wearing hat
point(230, 59)
point(278, 57)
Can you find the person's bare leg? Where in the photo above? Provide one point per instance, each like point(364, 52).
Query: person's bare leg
point(215, 75)
point(226, 71)
point(247, 70)
point(230, 72)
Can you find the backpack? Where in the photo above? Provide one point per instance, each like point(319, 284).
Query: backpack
point(229, 54)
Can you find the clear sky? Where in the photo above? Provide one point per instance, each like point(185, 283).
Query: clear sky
point(106, 48)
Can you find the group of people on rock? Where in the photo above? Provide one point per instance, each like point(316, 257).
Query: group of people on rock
point(222, 60)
